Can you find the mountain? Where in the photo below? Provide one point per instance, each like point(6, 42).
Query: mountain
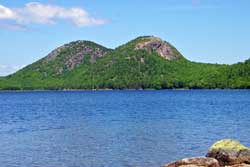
point(47, 73)
point(145, 62)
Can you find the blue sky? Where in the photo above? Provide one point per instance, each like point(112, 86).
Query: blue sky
point(213, 31)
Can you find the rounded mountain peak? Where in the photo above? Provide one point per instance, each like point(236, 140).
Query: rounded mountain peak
point(155, 44)
point(73, 54)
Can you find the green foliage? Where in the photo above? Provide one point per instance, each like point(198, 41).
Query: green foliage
point(127, 68)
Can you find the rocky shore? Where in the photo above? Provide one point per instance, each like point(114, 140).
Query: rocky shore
point(224, 153)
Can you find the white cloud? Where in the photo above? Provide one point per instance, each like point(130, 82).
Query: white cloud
point(6, 13)
point(38, 13)
point(9, 69)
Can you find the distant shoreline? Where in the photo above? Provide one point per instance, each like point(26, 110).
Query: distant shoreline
point(96, 90)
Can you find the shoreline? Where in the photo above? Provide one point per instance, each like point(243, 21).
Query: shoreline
point(97, 90)
point(223, 153)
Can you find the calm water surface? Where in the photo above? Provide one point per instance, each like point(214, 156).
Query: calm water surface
point(117, 128)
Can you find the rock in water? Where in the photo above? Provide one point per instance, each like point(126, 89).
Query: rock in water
point(229, 152)
point(194, 162)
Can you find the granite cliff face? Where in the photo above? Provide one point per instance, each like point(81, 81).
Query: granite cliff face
point(154, 44)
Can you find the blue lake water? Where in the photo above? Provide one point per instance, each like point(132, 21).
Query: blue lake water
point(117, 128)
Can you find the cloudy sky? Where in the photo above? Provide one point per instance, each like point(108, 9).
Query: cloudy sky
point(214, 31)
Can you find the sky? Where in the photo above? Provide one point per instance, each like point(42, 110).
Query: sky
point(211, 31)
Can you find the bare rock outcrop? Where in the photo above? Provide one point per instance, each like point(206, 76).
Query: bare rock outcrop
point(229, 152)
point(154, 44)
point(72, 54)
point(224, 153)
point(194, 162)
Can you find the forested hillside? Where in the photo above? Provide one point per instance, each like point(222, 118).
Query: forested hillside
point(144, 63)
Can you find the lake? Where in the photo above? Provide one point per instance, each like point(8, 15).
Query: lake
point(117, 128)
